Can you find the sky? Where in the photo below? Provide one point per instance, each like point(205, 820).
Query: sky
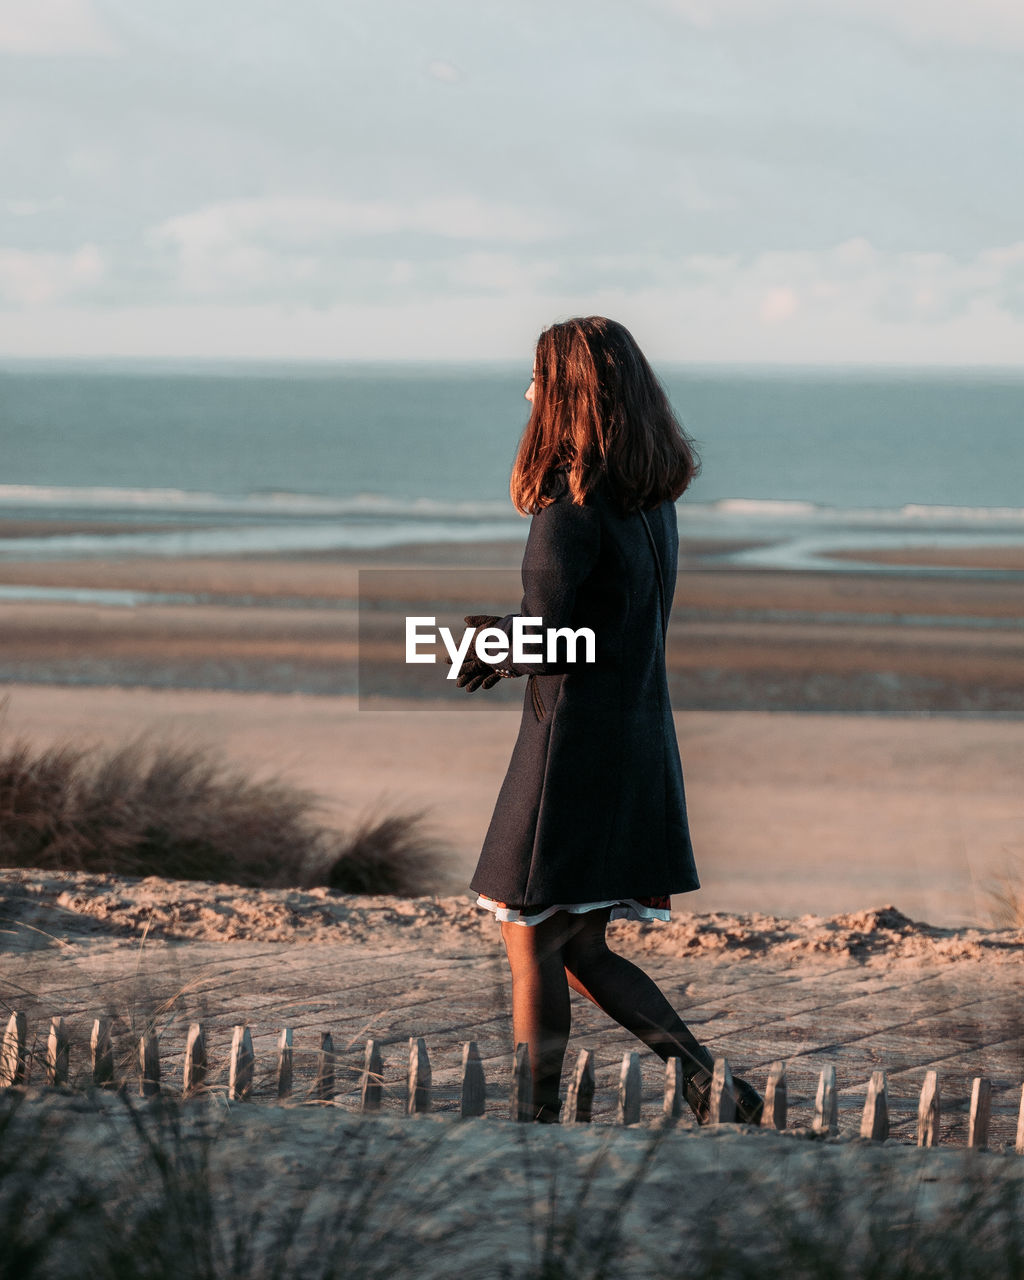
point(739, 181)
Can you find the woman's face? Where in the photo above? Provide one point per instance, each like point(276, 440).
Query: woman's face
point(528, 393)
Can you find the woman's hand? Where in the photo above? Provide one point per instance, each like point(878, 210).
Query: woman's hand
point(475, 674)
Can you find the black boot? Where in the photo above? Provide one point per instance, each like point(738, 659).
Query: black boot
point(697, 1080)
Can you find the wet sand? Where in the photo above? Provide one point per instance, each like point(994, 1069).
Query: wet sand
point(330, 624)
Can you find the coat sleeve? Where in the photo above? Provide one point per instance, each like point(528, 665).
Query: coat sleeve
point(561, 552)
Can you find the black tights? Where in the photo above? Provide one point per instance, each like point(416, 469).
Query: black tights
point(570, 950)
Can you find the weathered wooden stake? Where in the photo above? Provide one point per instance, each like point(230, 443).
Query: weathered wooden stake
point(630, 1090)
point(826, 1102)
point(776, 1097)
point(672, 1108)
point(874, 1122)
point(243, 1062)
point(101, 1054)
point(149, 1064)
point(323, 1085)
point(929, 1111)
point(579, 1102)
point(473, 1086)
point(521, 1097)
point(13, 1059)
point(371, 1082)
point(722, 1109)
point(284, 1063)
point(194, 1074)
point(57, 1052)
point(1019, 1144)
point(981, 1112)
point(418, 1097)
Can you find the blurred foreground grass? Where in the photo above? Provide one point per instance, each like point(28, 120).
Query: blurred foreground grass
point(111, 1187)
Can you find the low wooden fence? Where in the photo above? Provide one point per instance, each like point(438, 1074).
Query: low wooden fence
point(874, 1124)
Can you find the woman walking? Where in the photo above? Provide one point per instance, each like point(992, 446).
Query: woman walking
point(590, 823)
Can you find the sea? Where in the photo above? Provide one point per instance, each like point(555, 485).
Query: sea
point(186, 458)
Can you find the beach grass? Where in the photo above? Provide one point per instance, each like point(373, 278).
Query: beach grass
point(152, 1189)
point(1005, 893)
point(150, 807)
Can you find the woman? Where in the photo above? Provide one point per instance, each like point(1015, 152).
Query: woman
point(590, 823)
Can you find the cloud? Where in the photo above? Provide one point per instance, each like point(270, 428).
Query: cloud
point(53, 28)
point(306, 219)
point(32, 278)
point(980, 23)
point(852, 303)
point(446, 72)
point(917, 290)
point(500, 273)
point(27, 208)
point(778, 304)
point(319, 248)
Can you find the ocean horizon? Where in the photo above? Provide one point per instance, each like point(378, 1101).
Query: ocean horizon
point(214, 458)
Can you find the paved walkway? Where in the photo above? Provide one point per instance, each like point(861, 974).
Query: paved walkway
point(964, 1017)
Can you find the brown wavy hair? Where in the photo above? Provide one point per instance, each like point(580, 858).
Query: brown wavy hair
point(600, 416)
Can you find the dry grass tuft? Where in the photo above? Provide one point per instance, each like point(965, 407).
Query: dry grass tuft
point(367, 862)
point(181, 812)
point(1005, 892)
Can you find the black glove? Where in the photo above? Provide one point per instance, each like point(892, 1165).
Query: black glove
point(481, 620)
point(474, 674)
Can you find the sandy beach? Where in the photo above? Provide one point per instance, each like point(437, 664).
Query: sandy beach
point(848, 739)
point(921, 641)
point(791, 813)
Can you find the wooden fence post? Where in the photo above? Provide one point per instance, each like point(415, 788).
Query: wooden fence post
point(323, 1085)
point(1019, 1144)
point(149, 1064)
point(981, 1111)
point(929, 1111)
point(194, 1074)
point(630, 1090)
point(13, 1059)
point(473, 1085)
point(874, 1122)
point(722, 1108)
point(579, 1103)
point(284, 1063)
point(521, 1099)
point(776, 1097)
point(826, 1102)
point(672, 1108)
point(371, 1081)
point(418, 1099)
point(57, 1052)
point(242, 1065)
point(101, 1054)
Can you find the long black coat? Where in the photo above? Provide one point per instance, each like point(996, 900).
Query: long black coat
point(592, 806)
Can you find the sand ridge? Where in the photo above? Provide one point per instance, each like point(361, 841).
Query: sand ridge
point(65, 905)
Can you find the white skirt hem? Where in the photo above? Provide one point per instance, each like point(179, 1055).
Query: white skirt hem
point(622, 909)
